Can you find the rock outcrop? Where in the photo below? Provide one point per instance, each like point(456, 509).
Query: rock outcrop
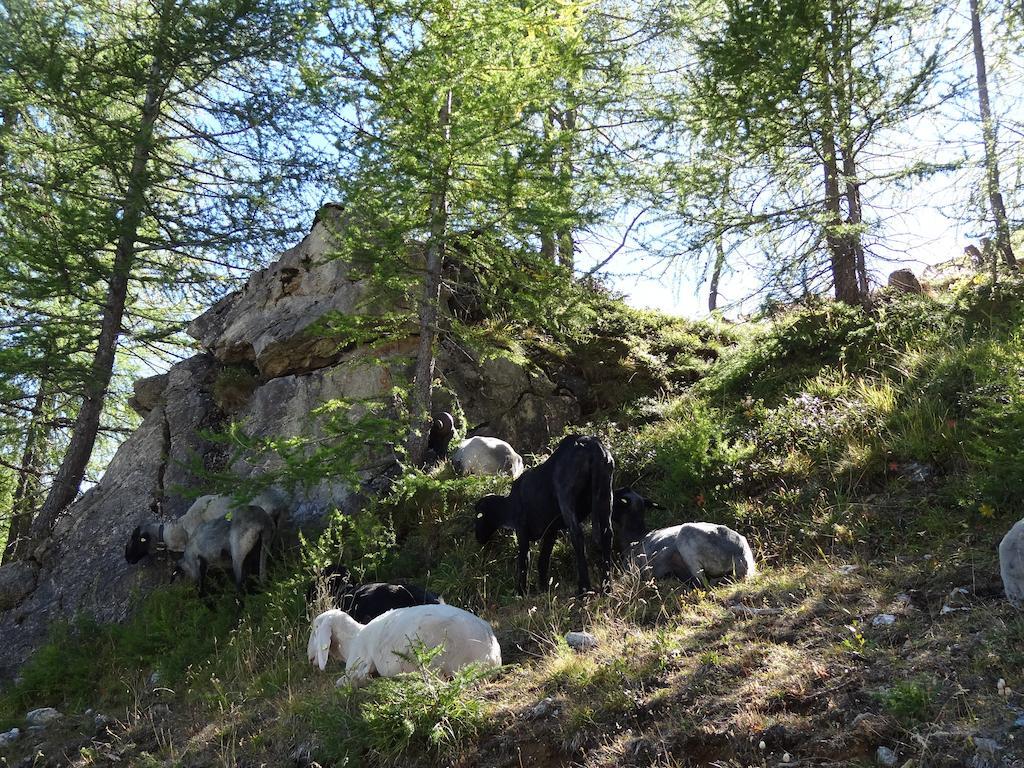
point(265, 338)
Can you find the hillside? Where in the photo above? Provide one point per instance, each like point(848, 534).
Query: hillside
point(874, 460)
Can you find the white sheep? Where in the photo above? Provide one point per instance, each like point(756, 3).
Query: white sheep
point(487, 456)
point(383, 646)
point(695, 552)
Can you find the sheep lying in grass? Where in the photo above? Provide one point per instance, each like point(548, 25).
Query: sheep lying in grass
point(365, 602)
point(384, 646)
point(174, 536)
point(244, 541)
point(487, 456)
point(696, 553)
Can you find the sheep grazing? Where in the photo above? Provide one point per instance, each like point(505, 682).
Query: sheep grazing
point(487, 456)
point(174, 536)
point(442, 429)
point(383, 646)
point(574, 482)
point(365, 602)
point(244, 540)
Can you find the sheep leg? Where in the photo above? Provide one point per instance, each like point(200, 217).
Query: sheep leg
point(547, 543)
point(522, 563)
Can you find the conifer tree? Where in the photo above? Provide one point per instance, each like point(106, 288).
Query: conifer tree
point(163, 145)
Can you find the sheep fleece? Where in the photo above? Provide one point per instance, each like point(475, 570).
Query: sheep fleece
point(376, 647)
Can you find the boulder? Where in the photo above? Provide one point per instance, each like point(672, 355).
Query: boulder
point(1011, 564)
point(905, 281)
point(270, 321)
point(17, 580)
point(265, 370)
point(42, 717)
point(148, 393)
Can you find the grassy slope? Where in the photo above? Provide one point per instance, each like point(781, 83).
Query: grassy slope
point(891, 442)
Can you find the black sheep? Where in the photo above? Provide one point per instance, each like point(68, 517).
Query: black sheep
point(365, 602)
point(574, 482)
point(442, 430)
point(628, 516)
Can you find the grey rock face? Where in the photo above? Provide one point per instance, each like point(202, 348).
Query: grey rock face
point(503, 398)
point(268, 322)
point(153, 476)
point(17, 580)
point(1011, 564)
point(148, 393)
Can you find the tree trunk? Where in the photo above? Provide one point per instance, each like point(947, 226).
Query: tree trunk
point(988, 132)
point(27, 486)
point(716, 274)
point(716, 270)
point(83, 435)
point(423, 379)
point(566, 241)
point(841, 253)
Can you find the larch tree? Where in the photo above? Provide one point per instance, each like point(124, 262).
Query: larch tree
point(447, 118)
point(802, 89)
point(997, 208)
point(185, 127)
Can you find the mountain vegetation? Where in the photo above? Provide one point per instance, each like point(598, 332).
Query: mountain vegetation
point(493, 169)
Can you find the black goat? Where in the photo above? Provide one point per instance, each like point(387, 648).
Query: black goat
point(365, 602)
point(442, 430)
point(628, 516)
point(574, 482)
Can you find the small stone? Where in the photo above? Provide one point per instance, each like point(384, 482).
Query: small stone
point(762, 746)
point(883, 620)
point(154, 679)
point(786, 757)
point(580, 641)
point(1019, 722)
point(846, 570)
point(9, 737)
point(540, 709)
point(986, 745)
point(42, 717)
point(885, 756)
point(903, 599)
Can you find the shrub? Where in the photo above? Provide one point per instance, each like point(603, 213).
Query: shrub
point(402, 718)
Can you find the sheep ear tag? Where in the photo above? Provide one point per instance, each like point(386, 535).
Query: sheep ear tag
point(479, 515)
point(324, 635)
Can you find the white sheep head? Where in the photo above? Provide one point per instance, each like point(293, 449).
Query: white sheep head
point(331, 635)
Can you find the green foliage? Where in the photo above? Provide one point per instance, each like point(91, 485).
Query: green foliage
point(910, 701)
point(395, 720)
point(233, 386)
